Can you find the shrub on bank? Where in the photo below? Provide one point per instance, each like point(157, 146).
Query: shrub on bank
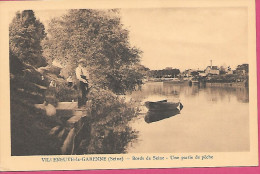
point(65, 93)
point(110, 116)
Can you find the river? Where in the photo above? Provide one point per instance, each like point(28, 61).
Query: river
point(214, 119)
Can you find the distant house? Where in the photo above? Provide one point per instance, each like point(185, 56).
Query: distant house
point(187, 73)
point(202, 73)
point(213, 70)
point(240, 72)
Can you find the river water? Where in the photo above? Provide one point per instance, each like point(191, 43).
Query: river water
point(214, 119)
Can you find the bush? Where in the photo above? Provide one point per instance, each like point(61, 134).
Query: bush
point(65, 93)
point(110, 131)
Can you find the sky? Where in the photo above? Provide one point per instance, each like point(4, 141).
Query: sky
point(183, 38)
point(189, 37)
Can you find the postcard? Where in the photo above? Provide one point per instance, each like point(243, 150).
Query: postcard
point(128, 84)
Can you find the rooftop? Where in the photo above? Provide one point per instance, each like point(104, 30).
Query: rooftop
point(213, 67)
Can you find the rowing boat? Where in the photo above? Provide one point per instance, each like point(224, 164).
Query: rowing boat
point(163, 105)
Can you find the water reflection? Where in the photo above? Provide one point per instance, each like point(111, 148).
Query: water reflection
point(214, 94)
point(153, 116)
point(214, 119)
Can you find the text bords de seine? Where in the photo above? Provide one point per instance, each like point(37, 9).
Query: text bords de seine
point(133, 158)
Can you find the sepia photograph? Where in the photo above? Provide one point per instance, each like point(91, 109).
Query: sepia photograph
point(89, 81)
point(124, 80)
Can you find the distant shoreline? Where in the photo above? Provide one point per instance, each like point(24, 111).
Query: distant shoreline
point(210, 84)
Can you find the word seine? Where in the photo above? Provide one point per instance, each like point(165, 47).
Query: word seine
point(148, 158)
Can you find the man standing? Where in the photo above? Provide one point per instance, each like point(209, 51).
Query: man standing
point(83, 76)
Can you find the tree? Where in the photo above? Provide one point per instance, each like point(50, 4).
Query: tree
point(194, 73)
point(26, 34)
point(29, 125)
point(222, 70)
point(242, 67)
point(99, 37)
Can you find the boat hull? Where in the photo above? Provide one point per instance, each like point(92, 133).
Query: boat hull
point(157, 106)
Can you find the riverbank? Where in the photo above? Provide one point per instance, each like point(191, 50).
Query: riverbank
point(202, 82)
point(231, 84)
